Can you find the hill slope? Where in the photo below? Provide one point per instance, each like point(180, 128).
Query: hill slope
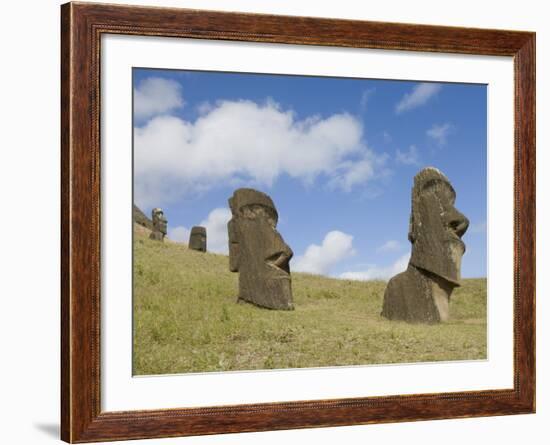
point(140, 218)
point(186, 320)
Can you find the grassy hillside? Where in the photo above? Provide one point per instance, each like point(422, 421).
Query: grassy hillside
point(186, 320)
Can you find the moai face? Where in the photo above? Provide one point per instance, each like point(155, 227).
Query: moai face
point(436, 226)
point(258, 252)
point(197, 239)
point(159, 222)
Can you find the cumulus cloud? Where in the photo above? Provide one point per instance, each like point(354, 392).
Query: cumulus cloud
point(319, 259)
point(216, 231)
point(409, 157)
point(379, 273)
point(155, 95)
point(349, 174)
point(389, 246)
point(419, 96)
point(179, 234)
point(247, 142)
point(440, 132)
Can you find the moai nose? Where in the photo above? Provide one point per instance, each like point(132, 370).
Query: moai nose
point(281, 253)
point(458, 223)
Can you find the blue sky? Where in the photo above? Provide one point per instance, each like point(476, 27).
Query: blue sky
point(337, 156)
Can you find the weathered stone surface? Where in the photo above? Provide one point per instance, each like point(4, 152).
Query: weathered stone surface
point(140, 218)
point(423, 291)
point(258, 252)
point(197, 238)
point(417, 296)
point(159, 225)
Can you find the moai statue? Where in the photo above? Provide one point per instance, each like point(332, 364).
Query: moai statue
point(159, 225)
point(423, 291)
point(258, 252)
point(197, 239)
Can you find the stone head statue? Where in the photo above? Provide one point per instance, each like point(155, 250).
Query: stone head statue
point(197, 239)
point(422, 293)
point(159, 225)
point(258, 252)
point(436, 226)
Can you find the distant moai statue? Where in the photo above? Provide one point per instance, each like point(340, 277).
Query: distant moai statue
point(159, 225)
point(258, 252)
point(197, 239)
point(423, 291)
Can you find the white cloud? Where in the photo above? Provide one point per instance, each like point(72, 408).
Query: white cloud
point(352, 173)
point(389, 246)
point(440, 132)
point(480, 227)
point(216, 230)
point(379, 273)
point(387, 137)
point(204, 107)
point(179, 234)
point(336, 246)
point(247, 143)
point(408, 157)
point(419, 95)
point(365, 96)
point(155, 95)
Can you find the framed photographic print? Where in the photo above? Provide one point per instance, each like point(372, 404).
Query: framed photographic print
point(279, 222)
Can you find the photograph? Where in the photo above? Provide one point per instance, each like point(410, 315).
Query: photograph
point(278, 219)
point(292, 221)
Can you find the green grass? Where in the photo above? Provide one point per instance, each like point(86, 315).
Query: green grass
point(186, 319)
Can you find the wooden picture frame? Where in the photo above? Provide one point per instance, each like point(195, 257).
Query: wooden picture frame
point(82, 26)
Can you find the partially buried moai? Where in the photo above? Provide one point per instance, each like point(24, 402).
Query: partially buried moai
point(197, 239)
point(159, 225)
point(258, 252)
point(423, 291)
